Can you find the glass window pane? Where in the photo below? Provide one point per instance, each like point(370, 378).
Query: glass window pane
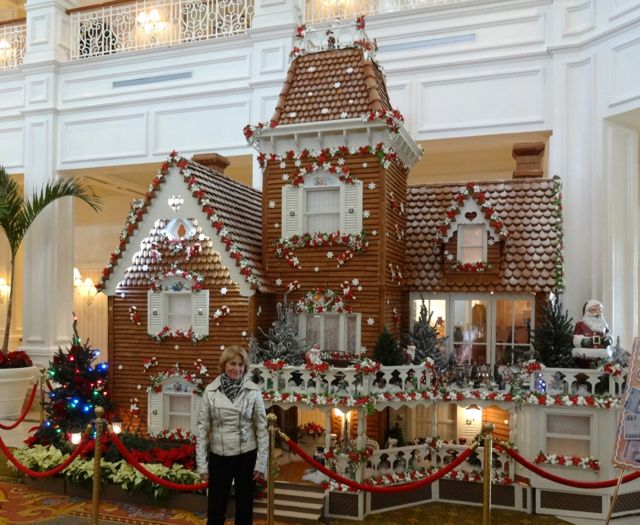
point(179, 311)
point(504, 321)
point(332, 333)
point(323, 223)
point(313, 329)
point(323, 201)
point(568, 447)
point(181, 422)
point(570, 425)
point(180, 404)
point(352, 331)
point(472, 235)
point(471, 255)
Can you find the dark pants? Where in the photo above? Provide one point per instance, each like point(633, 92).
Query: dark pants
point(222, 471)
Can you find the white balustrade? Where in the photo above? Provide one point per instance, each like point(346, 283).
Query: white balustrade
point(155, 23)
point(328, 10)
point(343, 381)
point(13, 42)
point(576, 381)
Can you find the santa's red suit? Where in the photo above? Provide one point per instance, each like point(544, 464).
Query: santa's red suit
point(592, 331)
point(581, 329)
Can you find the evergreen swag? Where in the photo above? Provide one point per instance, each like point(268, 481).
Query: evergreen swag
point(80, 388)
point(386, 350)
point(426, 340)
point(553, 337)
point(282, 341)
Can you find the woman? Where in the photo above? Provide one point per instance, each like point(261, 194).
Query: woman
point(232, 438)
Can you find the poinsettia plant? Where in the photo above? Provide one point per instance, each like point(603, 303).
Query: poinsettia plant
point(16, 359)
point(312, 429)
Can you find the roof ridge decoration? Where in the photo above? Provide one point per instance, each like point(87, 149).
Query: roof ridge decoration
point(339, 35)
point(139, 208)
point(473, 191)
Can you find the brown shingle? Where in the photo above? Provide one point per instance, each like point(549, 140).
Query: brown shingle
point(528, 256)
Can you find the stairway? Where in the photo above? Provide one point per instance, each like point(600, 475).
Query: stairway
point(294, 502)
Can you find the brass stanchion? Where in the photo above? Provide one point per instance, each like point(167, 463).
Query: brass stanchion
point(615, 497)
point(97, 453)
point(487, 429)
point(43, 380)
point(272, 420)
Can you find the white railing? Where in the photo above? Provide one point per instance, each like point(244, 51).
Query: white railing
point(343, 381)
point(328, 10)
point(155, 23)
point(576, 381)
point(13, 41)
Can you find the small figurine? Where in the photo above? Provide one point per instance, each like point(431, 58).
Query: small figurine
point(591, 335)
point(331, 40)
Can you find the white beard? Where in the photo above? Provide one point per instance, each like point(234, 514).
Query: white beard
point(596, 323)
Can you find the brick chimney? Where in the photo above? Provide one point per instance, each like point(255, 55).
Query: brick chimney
point(528, 157)
point(214, 161)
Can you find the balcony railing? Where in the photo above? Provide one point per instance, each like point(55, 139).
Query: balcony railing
point(13, 41)
point(328, 10)
point(124, 27)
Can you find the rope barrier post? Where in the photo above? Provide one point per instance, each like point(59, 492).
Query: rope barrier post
point(43, 371)
point(272, 421)
point(487, 430)
point(615, 497)
point(97, 453)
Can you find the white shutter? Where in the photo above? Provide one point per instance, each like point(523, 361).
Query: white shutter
point(200, 312)
point(351, 208)
point(155, 416)
point(196, 401)
point(155, 312)
point(291, 211)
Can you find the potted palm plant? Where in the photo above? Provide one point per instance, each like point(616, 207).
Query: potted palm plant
point(16, 216)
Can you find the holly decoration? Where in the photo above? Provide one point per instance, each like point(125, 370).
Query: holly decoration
point(81, 387)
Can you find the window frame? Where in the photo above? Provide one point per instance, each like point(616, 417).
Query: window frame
point(305, 208)
point(343, 327)
point(460, 247)
point(590, 438)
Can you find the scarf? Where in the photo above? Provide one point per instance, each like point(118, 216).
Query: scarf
point(231, 387)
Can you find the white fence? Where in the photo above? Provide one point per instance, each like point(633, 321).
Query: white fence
point(13, 41)
point(328, 10)
point(155, 23)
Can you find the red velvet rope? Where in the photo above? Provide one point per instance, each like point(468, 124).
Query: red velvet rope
point(136, 465)
point(46, 473)
point(24, 412)
point(569, 482)
point(372, 488)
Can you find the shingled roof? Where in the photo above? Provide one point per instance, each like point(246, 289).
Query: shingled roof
point(235, 213)
point(531, 257)
point(331, 85)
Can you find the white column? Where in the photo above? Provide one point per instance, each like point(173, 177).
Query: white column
point(269, 13)
point(620, 268)
point(48, 247)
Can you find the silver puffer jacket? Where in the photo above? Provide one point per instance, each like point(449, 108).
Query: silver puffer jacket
point(229, 429)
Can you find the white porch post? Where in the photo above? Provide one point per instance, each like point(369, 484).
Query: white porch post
point(269, 13)
point(48, 247)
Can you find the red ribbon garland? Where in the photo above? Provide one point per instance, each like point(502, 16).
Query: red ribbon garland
point(136, 465)
point(24, 412)
point(569, 482)
point(372, 488)
point(46, 473)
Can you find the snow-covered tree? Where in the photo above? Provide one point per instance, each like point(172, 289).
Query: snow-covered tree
point(427, 341)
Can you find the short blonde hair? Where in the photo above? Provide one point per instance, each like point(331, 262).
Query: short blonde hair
point(229, 353)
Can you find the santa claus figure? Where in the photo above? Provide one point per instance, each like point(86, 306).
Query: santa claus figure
point(592, 332)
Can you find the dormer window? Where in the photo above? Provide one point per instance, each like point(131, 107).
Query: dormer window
point(179, 229)
point(472, 243)
point(322, 204)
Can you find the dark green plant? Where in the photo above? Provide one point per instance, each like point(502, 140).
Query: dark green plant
point(18, 214)
point(553, 336)
point(386, 350)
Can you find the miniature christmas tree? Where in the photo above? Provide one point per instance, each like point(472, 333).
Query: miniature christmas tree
point(553, 337)
point(81, 387)
point(427, 341)
point(386, 350)
point(282, 341)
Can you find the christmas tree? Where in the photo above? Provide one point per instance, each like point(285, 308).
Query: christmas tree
point(79, 387)
point(553, 337)
point(386, 350)
point(427, 341)
point(282, 341)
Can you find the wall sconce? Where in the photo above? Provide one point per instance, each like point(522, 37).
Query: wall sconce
point(472, 413)
point(4, 291)
point(116, 426)
point(151, 23)
point(84, 287)
point(75, 438)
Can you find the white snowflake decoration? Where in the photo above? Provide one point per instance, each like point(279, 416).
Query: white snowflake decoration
point(310, 94)
point(374, 232)
point(283, 164)
point(311, 69)
point(278, 282)
point(329, 255)
point(371, 185)
point(223, 290)
point(351, 101)
point(366, 214)
point(119, 367)
point(344, 114)
point(244, 333)
point(272, 204)
point(293, 114)
point(285, 177)
point(349, 70)
point(316, 269)
point(276, 225)
point(371, 321)
point(139, 387)
point(341, 161)
point(355, 281)
point(366, 165)
point(298, 163)
point(324, 111)
point(337, 85)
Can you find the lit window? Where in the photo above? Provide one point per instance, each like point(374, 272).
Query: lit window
point(332, 332)
point(179, 411)
point(322, 210)
point(472, 243)
point(179, 310)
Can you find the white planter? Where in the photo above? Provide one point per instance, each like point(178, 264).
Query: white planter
point(14, 385)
